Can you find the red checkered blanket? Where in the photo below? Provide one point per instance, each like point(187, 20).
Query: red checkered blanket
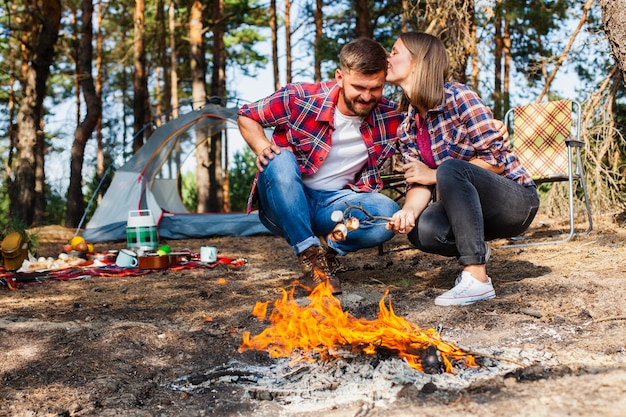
point(14, 280)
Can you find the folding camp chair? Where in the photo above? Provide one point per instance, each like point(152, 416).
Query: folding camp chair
point(546, 139)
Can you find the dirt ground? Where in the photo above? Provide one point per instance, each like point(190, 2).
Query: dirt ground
point(112, 346)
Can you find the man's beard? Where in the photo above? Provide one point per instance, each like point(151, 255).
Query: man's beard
point(359, 111)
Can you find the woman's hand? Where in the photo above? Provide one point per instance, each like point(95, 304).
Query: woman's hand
point(402, 222)
point(417, 172)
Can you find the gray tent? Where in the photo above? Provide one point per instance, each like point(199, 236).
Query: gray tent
point(136, 186)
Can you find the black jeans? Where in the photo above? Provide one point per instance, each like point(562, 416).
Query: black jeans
point(473, 205)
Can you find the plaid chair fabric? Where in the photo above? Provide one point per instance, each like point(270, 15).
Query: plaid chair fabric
point(546, 139)
point(540, 131)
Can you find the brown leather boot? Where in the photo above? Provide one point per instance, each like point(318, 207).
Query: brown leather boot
point(331, 256)
point(316, 270)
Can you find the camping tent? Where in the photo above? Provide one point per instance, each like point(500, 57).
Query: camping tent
point(135, 186)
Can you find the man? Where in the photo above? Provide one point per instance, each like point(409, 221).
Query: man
point(329, 141)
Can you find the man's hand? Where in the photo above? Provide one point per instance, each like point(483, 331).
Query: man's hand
point(263, 157)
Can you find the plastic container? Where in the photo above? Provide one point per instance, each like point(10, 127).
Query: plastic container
point(141, 230)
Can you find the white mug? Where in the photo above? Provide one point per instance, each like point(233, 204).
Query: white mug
point(126, 258)
point(208, 254)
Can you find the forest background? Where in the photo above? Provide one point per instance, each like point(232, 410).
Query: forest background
point(127, 67)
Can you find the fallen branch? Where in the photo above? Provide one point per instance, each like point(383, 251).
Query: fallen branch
point(615, 318)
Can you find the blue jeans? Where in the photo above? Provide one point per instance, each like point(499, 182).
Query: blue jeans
point(473, 205)
point(299, 214)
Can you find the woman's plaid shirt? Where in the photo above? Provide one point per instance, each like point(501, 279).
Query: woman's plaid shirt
point(302, 117)
point(462, 128)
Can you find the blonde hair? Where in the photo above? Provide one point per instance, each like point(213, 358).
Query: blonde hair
point(430, 59)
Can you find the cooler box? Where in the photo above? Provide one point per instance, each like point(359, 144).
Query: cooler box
point(141, 230)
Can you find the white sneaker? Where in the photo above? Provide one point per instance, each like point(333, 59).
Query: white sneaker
point(467, 290)
point(487, 256)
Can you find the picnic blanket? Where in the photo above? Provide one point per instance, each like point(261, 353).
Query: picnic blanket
point(14, 280)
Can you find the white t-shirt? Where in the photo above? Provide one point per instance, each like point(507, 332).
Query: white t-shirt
point(346, 158)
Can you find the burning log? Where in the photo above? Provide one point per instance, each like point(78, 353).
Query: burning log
point(323, 328)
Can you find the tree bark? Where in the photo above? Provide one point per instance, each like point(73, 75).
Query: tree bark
point(165, 101)
point(319, 27)
point(75, 200)
point(100, 169)
point(274, 34)
point(614, 20)
point(498, 42)
point(288, 51)
point(175, 160)
point(198, 94)
point(218, 196)
point(141, 102)
point(23, 188)
point(364, 28)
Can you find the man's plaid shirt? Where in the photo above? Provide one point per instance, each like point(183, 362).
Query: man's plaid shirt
point(461, 127)
point(302, 117)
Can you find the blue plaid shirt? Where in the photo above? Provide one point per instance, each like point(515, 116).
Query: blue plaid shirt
point(462, 127)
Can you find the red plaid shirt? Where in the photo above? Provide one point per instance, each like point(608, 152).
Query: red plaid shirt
point(302, 118)
point(461, 128)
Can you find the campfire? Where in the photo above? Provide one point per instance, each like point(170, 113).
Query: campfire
point(322, 329)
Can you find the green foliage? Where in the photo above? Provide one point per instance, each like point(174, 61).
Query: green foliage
point(241, 176)
point(532, 23)
point(189, 192)
point(55, 207)
point(32, 238)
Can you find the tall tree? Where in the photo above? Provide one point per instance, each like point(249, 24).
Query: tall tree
point(173, 59)
point(99, 85)
point(614, 20)
point(318, 17)
point(75, 201)
point(165, 101)
point(141, 99)
point(288, 48)
point(198, 92)
point(218, 200)
point(274, 37)
point(364, 26)
point(27, 187)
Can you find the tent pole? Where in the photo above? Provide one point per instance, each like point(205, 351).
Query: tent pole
point(95, 193)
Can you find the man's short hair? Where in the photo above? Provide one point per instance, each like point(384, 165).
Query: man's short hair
point(363, 55)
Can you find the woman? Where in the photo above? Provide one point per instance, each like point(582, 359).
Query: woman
point(451, 143)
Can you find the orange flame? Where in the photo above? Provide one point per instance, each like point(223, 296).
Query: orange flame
point(322, 326)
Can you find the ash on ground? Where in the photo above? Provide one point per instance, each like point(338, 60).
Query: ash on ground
point(343, 380)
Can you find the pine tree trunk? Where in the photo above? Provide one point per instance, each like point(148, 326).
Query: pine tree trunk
point(141, 107)
point(364, 28)
point(164, 101)
point(99, 83)
point(614, 20)
point(319, 26)
point(288, 54)
point(175, 160)
point(274, 34)
point(29, 142)
point(217, 201)
point(198, 94)
point(75, 200)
